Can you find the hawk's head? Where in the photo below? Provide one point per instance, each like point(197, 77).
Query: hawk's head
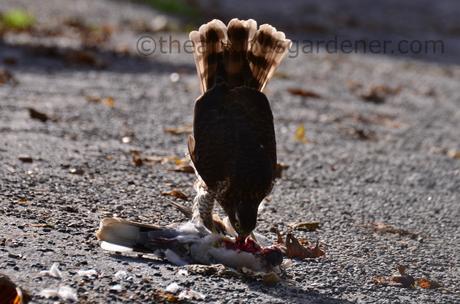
point(243, 217)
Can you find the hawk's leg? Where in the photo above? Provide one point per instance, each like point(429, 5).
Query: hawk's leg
point(203, 205)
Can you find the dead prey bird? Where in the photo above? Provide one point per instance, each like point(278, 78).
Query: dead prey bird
point(186, 243)
point(233, 146)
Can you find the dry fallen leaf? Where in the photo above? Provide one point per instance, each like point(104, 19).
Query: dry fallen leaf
point(385, 228)
point(163, 296)
point(307, 226)
point(34, 114)
point(6, 77)
point(399, 280)
point(179, 130)
point(300, 134)
point(136, 158)
point(177, 194)
point(378, 119)
point(303, 93)
point(378, 93)
point(107, 101)
point(405, 280)
point(362, 134)
point(294, 249)
point(453, 154)
point(25, 158)
point(184, 169)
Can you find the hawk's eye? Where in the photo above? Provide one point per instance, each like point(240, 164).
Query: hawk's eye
point(237, 225)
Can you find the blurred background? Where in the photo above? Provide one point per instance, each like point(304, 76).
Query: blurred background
point(103, 24)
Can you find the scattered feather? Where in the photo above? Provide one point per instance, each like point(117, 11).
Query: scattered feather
point(173, 288)
point(116, 288)
point(173, 258)
point(64, 292)
point(53, 272)
point(90, 273)
point(190, 294)
point(120, 275)
point(174, 77)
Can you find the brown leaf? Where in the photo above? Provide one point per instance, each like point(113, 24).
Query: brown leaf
point(295, 250)
point(378, 119)
point(25, 158)
point(306, 226)
point(107, 101)
point(453, 154)
point(405, 281)
point(378, 93)
point(280, 167)
point(177, 194)
point(385, 228)
point(136, 158)
point(402, 280)
point(10, 293)
point(303, 93)
point(179, 130)
point(34, 114)
point(427, 284)
point(362, 134)
point(6, 77)
point(164, 296)
point(184, 169)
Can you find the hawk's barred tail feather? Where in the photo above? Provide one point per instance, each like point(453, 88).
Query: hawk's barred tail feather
point(237, 53)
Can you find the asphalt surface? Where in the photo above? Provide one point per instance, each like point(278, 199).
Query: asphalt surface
point(367, 157)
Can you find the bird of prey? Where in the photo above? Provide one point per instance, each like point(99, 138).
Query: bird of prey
point(233, 146)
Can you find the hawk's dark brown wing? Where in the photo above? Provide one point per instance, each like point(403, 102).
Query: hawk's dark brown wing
point(235, 140)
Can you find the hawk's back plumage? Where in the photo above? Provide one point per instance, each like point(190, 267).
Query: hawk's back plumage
point(233, 147)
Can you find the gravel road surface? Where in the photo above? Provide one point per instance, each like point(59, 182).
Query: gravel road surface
point(381, 145)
